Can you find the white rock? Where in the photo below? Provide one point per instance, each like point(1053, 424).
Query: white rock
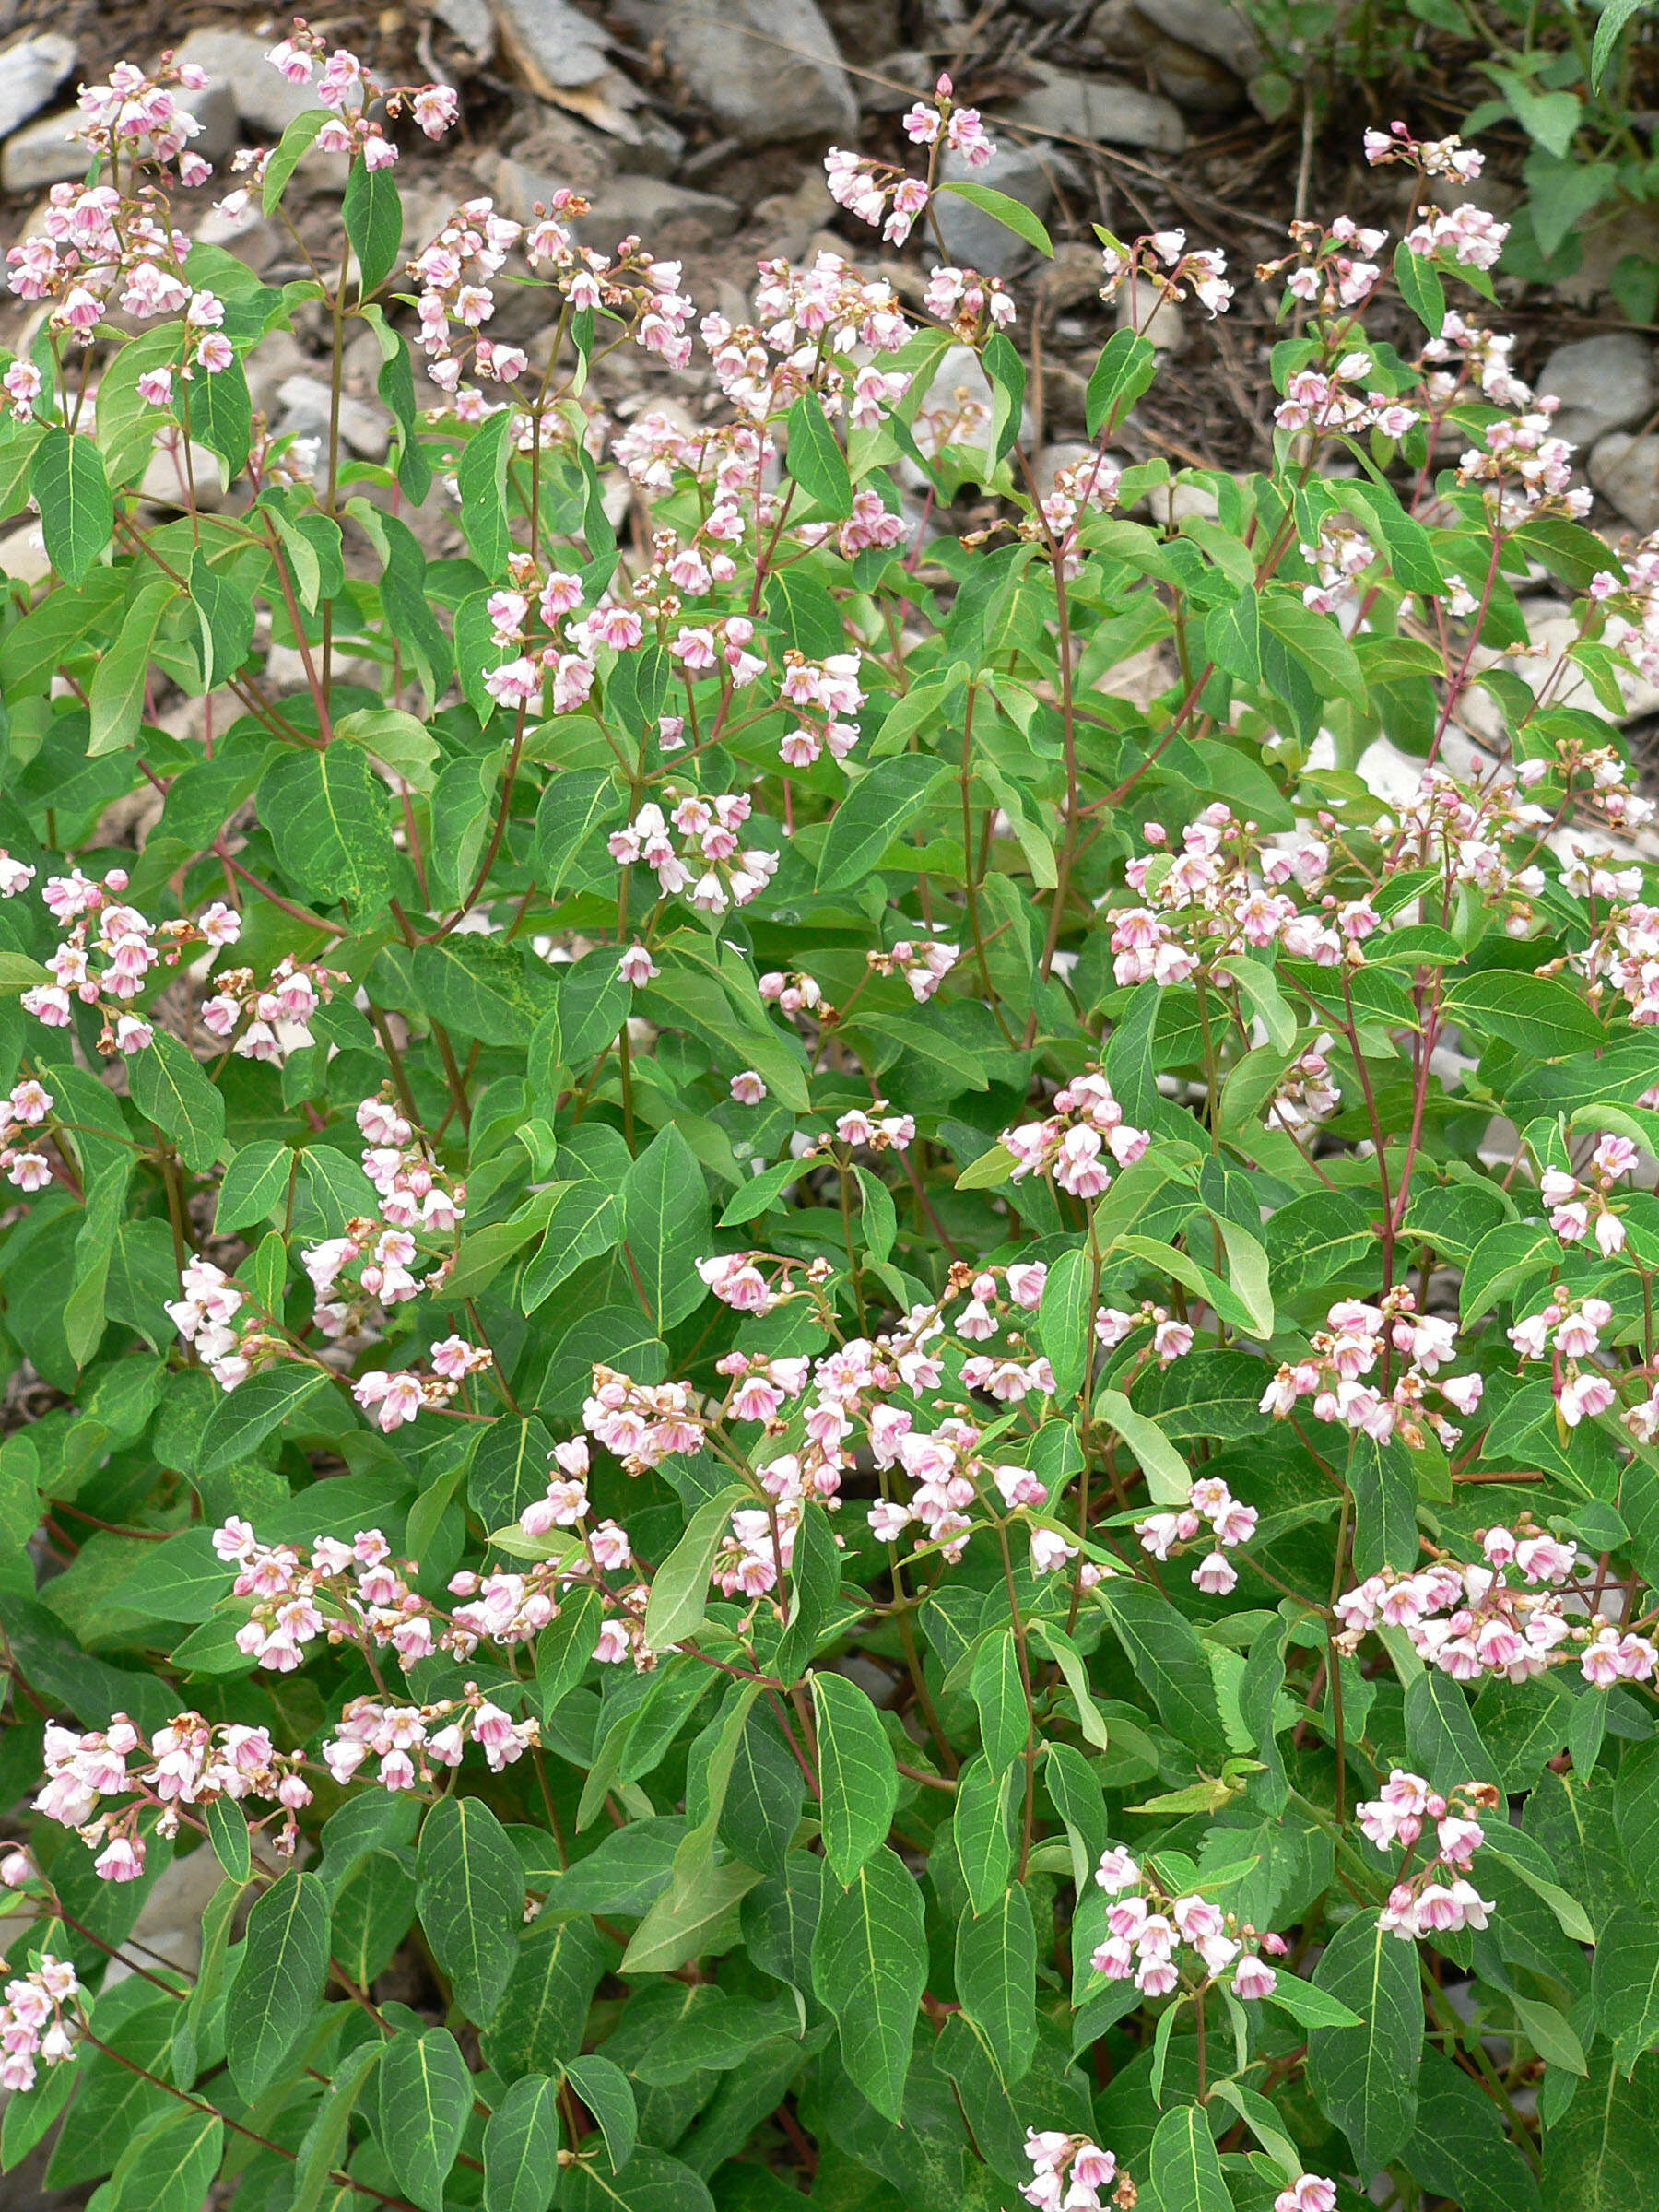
point(262, 96)
point(1097, 107)
point(959, 410)
point(31, 72)
point(1603, 383)
point(1626, 470)
point(977, 241)
point(23, 555)
point(554, 46)
point(764, 69)
point(1142, 306)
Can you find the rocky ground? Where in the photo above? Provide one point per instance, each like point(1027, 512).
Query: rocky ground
point(701, 123)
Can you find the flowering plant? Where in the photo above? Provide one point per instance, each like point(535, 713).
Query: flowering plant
point(901, 1398)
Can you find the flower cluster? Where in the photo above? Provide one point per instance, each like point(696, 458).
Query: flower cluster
point(25, 1110)
point(1160, 263)
point(1079, 1141)
point(1226, 892)
point(1229, 1523)
point(1147, 1932)
point(1342, 1355)
point(37, 2017)
point(1471, 1621)
point(267, 1021)
point(1578, 1207)
point(1439, 1898)
point(1068, 2174)
point(719, 873)
point(886, 197)
point(107, 958)
point(1569, 1330)
point(190, 1763)
point(924, 965)
point(410, 1740)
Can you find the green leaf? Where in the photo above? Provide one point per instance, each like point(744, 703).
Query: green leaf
point(815, 459)
point(425, 2098)
point(116, 693)
point(1364, 2079)
point(244, 1418)
point(1602, 2155)
point(1459, 2149)
point(471, 1900)
point(1162, 1647)
point(877, 810)
point(1126, 368)
point(284, 1966)
point(520, 2148)
point(1626, 1983)
point(981, 1829)
point(999, 1694)
point(285, 156)
point(1185, 2168)
point(605, 2089)
point(72, 491)
point(996, 1980)
point(869, 1966)
point(1066, 1319)
point(1543, 1016)
point(323, 2147)
point(228, 1832)
point(1420, 288)
point(482, 478)
point(1011, 213)
point(1325, 1234)
point(220, 409)
point(540, 2022)
point(1006, 372)
point(1312, 2007)
point(224, 621)
point(172, 2165)
point(1609, 25)
point(691, 1922)
point(171, 1088)
point(254, 1185)
point(373, 212)
point(1232, 635)
point(574, 807)
point(668, 1225)
point(398, 741)
point(678, 1603)
point(326, 813)
point(859, 1780)
point(1168, 1478)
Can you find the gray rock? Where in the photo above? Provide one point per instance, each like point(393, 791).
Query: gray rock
point(667, 218)
point(1625, 470)
point(472, 23)
point(1097, 108)
point(236, 64)
point(764, 69)
point(23, 556)
point(43, 153)
point(306, 403)
point(1197, 83)
point(555, 47)
point(977, 241)
point(1213, 27)
point(168, 480)
point(1603, 383)
point(910, 76)
point(31, 72)
point(1142, 306)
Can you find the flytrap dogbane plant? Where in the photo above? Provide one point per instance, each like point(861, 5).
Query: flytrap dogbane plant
point(841, 1418)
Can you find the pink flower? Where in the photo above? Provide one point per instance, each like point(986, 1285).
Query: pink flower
point(748, 1088)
